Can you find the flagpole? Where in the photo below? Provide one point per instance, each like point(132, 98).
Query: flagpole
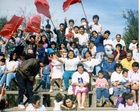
point(83, 10)
point(88, 31)
point(52, 22)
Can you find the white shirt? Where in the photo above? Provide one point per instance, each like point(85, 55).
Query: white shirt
point(136, 55)
point(116, 77)
point(133, 76)
point(89, 65)
point(133, 46)
point(67, 30)
point(11, 64)
point(57, 105)
point(93, 50)
point(115, 42)
point(96, 27)
point(71, 64)
point(83, 39)
point(108, 41)
point(31, 108)
point(84, 76)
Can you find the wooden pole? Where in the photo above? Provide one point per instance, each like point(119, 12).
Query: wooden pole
point(88, 31)
point(52, 22)
point(83, 10)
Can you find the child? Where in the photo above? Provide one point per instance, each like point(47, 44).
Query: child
point(40, 50)
point(2, 67)
point(44, 73)
point(128, 103)
point(58, 102)
point(35, 104)
point(63, 50)
point(74, 48)
point(57, 70)
point(125, 82)
point(102, 88)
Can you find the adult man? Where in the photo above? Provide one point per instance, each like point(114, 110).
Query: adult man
point(95, 25)
point(127, 62)
point(118, 40)
point(25, 76)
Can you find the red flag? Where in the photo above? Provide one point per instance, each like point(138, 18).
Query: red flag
point(11, 26)
point(42, 7)
point(67, 3)
point(33, 24)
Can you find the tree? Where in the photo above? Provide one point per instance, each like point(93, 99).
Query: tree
point(132, 25)
point(3, 21)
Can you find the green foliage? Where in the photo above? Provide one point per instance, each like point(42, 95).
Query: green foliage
point(3, 21)
point(132, 25)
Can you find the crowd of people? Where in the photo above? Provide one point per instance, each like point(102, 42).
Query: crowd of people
point(71, 52)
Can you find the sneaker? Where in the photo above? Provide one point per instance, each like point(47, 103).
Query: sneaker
point(21, 106)
point(61, 90)
point(82, 107)
point(51, 90)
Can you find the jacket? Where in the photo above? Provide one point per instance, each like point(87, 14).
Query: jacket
point(29, 68)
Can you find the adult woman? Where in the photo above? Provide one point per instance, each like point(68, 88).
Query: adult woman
point(133, 76)
point(45, 41)
point(70, 67)
point(10, 73)
point(116, 78)
point(35, 104)
point(119, 54)
point(80, 80)
point(68, 104)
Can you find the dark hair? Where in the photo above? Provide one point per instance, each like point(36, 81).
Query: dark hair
point(1, 54)
point(137, 44)
point(134, 38)
point(76, 27)
point(61, 24)
point(35, 98)
point(69, 52)
point(135, 64)
point(11, 56)
point(71, 20)
point(58, 97)
point(118, 65)
point(3, 60)
point(73, 43)
point(125, 70)
point(87, 52)
point(91, 42)
point(107, 31)
point(66, 98)
point(33, 36)
point(45, 40)
point(53, 43)
point(101, 72)
point(44, 60)
point(81, 27)
point(95, 16)
point(83, 19)
point(118, 35)
point(48, 26)
point(119, 45)
point(128, 96)
point(80, 64)
point(94, 31)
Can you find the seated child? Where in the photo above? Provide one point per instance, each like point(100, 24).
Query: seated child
point(102, 88)
point(2, 67)
point(128, 103)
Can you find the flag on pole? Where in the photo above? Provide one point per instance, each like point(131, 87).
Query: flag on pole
point(67, 3)
point(11, 26)
point(33, 24)
point(42, 7)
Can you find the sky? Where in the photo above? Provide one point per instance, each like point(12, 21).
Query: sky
point(109, 11)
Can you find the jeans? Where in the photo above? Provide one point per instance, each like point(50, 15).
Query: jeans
point(25, 88)
point(67, 76)
point(98, 67)
point(7, 78)
point(45, 81)
point(102, 92)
